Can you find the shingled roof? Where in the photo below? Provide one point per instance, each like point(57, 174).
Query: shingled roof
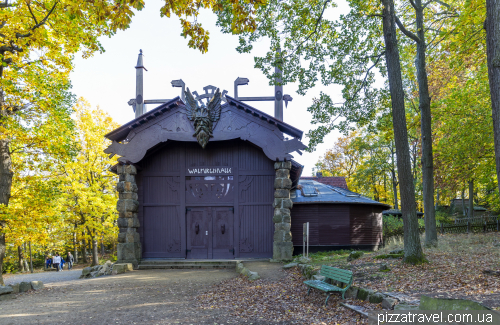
point(312, 192)
point(332, 181)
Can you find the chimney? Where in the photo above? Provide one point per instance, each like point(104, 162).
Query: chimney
point(139, 89)
point(278, 89)
point(319, 174)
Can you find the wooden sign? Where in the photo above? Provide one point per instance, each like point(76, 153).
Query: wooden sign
point(202, 171)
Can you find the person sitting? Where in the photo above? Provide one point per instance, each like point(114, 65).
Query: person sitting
point(48, 262)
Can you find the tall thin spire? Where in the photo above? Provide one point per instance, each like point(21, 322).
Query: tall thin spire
point(278, 88)
point(139, 88)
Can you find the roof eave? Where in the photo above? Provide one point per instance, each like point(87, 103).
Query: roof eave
point(122, 132)
point(282, 126)
point(337, 202)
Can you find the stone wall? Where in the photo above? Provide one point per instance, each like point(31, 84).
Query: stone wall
point(129, 245)
point(282, 245)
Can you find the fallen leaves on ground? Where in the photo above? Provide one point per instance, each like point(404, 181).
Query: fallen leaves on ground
point(455, 269)
point(282, 301)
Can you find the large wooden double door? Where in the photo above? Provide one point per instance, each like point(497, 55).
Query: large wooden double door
point(210, 232)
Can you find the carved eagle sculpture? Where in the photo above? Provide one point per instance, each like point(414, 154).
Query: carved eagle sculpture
point(203, 116)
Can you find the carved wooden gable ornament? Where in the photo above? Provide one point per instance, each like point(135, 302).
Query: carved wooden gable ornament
point(190, 121)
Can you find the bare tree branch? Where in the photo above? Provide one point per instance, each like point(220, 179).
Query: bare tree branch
point(406, 32)
point(5, 4)
point(366, 76)
point(437, 1)
point(41, 23)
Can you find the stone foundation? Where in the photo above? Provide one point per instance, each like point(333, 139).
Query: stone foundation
point(129, 245)
point(282, 244)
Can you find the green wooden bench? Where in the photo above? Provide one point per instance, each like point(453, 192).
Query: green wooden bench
point(335, 274)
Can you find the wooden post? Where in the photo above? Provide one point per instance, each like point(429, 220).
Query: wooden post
point(442, 228)
point(31, 259)
point(307, 244)
point(497, 225)
point(471, 199)
point(468, 226)
point(484, 227)
point(139, 89)
point(278, 88)
point(304, 239)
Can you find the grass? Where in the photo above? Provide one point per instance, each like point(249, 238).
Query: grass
point(385, 256)
point(337, 258)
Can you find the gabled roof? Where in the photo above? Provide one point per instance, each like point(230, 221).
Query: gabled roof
point(282, 126)
point(332, 181)
point(313, 192)
point(121, 133)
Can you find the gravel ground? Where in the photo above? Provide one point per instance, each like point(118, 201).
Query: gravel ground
point(266, 270)
point(137, 297)
point(45, 277)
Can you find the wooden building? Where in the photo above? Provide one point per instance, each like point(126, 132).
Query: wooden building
point(204, 180)
point(338, 218)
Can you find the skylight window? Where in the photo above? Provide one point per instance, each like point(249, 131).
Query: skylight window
point(308, 190)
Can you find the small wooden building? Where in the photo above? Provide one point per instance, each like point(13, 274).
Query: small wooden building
point(204, 177)
point(205, 203)
point(338, 218)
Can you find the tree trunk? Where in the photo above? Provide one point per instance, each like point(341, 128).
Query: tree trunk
point(463, 202)
point(31, 259)
point(20, 253)
point(492, 26)
point(426, 130)
point(395, 189)
point(413, 250)
point(471, 198)
point(437, 200)
point(75, 247)
point(102, 240)
point(26, 265)
point(5, 188)
point(95, 258)
point(84, 249)
point(394, 180)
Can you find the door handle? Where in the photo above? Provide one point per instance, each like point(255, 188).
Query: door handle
point(197, 228)
point(223, 229)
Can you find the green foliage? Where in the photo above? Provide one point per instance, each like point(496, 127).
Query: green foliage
point(385, 256)
point(315, 49)
point(326, 257)
point(355, 255)
point(443, 217)
point(393, 226)
point(392, 223)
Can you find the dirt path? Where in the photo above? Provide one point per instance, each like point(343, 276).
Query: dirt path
point(138, 297)
point(45, 277)
point(267, 270)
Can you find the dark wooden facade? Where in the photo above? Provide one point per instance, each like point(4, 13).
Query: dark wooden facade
point(187, 212)
point(205, 203)
point(337, 226)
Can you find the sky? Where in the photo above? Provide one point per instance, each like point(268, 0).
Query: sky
point(107, 80)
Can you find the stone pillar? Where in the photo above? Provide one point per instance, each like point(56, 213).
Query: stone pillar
point(129, 244)
point(282, 245)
